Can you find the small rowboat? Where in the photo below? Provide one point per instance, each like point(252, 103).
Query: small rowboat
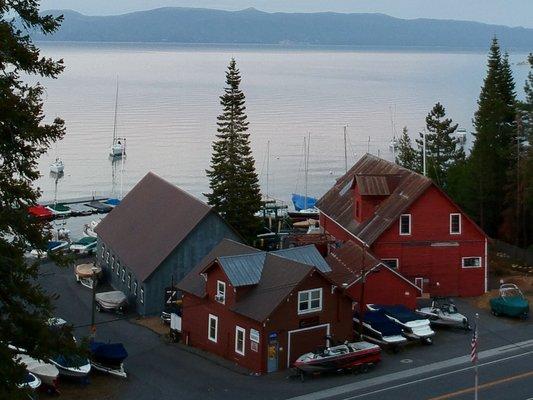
point(350, 356)
point(85, 273)
point(46, 372)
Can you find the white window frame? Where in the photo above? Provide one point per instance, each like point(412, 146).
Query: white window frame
point(460, 223)
point(135, 288)
point(112, 263)
point(477, 266)
point(107, 256)
point(103, 252)
point(384, 260)
point(129, 281)
point(215, 319)
point(309, 309)
point(118, 268)
point(123, 276)
point(142, 296)
point(242, 331)
point(221, 293)
point(400, 225)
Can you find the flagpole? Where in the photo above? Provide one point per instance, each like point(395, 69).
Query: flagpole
point(476, 360)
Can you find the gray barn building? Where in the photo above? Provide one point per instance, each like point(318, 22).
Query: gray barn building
point(157, 234)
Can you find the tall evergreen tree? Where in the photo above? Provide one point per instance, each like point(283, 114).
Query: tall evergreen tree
point(407, 156)
point(24, 306)
point(490, 158)
point(442, 149)
point(233, 181)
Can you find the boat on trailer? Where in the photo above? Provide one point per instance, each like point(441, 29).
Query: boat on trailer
point(46, 372)
point(114, 301)
point(87, 274)
point(72, 366)
point(85, 245)
point(51, 247)
point(108, 358)
point(413, 325)
point(444, 312)
point(356, 356)
point(380, 329)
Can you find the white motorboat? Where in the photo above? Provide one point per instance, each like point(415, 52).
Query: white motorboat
point(72, 366)
point(393, 144)
point(85, 245)
point(414, 327)
point(89, 228)
point(110, 301)
point(58, 166)
point(52, 247)
point(443, 312)
point(31, 381)
point(46, 372)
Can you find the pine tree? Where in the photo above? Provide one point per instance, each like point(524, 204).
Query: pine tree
point(442, 149)
point(24, 306)
point(490, 158)
point(233, 181)
point(407, 156)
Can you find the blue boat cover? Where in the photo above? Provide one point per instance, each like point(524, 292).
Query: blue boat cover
point(113, 202)
point(53, 245)
point(379, 321)
point(110, 351)
point(300, 203)
point(401, 313)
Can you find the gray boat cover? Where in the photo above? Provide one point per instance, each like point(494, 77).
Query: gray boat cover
point(112, 299)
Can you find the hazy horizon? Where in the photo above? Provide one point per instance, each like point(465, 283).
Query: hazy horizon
point(501, 12)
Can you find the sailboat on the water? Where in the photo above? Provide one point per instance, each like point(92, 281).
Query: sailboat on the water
point(118, 146)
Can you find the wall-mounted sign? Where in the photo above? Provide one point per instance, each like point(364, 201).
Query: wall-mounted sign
point(254, 335)
point(254, 346)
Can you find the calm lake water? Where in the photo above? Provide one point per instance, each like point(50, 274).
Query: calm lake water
point(168, 105)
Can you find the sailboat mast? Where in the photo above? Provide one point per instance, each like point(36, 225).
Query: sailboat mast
point(115, 119)
point(268, 167)
point(306, 162)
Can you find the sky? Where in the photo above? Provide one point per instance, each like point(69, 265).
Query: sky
point(501, 12)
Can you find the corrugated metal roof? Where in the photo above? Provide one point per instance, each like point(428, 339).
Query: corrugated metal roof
point(194, 283)
point(306, 255)
point(346, 263)
point(244, 269)
point(150, 222)
point(408, 186)
point(372, 185)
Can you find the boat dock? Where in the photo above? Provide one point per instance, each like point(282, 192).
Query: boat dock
point(76, 200)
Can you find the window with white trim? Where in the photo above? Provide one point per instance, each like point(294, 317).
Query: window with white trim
point(129, 281)
point(221, 292)
point(212, 328)
point(107, 256)
point(135, 288)
point(123, 274)
point(118, 268)
point(455, 224)
point(309, 301)
point(103, 251)
point(391, 262)
point(405, 224)
point(112, 264)
point(471, 262)
point(142, 296)
point(240, 337)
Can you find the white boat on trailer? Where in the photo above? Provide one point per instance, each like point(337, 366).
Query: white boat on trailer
point(46, 372)
point(444, 313)
point(380, 329)
point(414, 326)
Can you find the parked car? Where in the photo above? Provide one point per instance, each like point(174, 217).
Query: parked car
point(510, 302)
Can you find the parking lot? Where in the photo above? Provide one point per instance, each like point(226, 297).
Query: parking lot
point(161, 370)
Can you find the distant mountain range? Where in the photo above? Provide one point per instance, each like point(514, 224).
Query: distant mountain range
point(250, 26)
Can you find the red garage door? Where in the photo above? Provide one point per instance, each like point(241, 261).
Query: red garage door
point(304, 340)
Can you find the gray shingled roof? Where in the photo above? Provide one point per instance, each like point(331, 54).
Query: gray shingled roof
point(149, 223)
point(338, 202)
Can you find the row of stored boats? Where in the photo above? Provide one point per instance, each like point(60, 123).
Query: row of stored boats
point(45, 374)
point(382, 326)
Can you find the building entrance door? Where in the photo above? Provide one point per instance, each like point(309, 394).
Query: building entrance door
point(273, 352)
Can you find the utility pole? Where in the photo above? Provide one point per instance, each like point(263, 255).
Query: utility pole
point(368, 146)
point(93, 326)
point(362, 297)
point(345, 155)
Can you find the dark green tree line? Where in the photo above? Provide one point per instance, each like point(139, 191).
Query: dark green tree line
point(233, 180)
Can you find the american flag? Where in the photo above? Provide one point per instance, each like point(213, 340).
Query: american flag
point(473, 349)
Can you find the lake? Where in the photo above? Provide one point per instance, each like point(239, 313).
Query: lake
point(169, 102)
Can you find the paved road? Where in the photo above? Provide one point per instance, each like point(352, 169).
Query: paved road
point(159, 370)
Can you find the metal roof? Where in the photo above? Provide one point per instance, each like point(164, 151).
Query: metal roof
point(308, 255)
point(244, 269)
point(372, 185)
point(338, 204)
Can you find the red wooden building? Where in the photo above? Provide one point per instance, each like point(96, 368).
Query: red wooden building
point(263, 310)
point(410, 224)
point(383, 285)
